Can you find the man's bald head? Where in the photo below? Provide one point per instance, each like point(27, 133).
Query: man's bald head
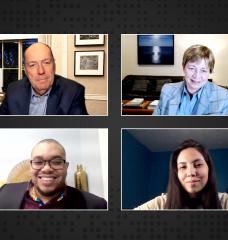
point(39, 67)
point(52, 142)
point(37, 47)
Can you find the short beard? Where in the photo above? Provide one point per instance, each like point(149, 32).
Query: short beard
point(51, 193)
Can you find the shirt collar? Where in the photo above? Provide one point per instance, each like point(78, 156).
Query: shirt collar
point(34, 94)
point(197, 94)
point(33, 195)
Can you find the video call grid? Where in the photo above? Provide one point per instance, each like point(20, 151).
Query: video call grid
point(209, 17)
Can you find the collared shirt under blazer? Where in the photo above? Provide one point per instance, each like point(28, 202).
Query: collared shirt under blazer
point(213, 100)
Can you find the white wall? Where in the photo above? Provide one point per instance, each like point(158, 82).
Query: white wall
point(103, 139)
point(218, 43)
point(83, 146)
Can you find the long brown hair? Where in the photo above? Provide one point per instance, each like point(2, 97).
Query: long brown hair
point(177, 197)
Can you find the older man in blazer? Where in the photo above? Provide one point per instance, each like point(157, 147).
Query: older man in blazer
point(41, 92)
point(195, 95)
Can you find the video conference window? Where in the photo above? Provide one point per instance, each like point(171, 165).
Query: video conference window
point(60, 74)
point(51, 169)
point(174, 74)
point(166, 169)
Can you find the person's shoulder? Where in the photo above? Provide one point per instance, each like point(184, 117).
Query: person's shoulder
point(87, 200)
point(154, 204)
point(65, 82)
point(223, 197)
point(214, 87)
point(171, 89)
point(17, 84)
point(13, 186)
point(167, 87)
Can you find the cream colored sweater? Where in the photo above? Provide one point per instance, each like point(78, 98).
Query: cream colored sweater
point(159, 202)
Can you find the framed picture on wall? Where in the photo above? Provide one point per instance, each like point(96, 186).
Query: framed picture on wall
point(88, 39)
point(157, 49)
point(89, 63)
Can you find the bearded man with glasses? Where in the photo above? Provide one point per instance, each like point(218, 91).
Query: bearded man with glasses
point(47, 188)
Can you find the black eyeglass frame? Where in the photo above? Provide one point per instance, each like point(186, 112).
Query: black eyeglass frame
point(49, 163)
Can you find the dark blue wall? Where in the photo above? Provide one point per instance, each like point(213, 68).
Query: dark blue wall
point(136, 161)
point(145, 173)
point(220, 159)
point(159, 173)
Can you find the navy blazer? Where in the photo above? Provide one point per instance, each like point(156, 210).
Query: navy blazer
point(66, 98)
point(11, 197)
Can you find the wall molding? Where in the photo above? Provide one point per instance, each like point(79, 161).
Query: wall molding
point(98, 97)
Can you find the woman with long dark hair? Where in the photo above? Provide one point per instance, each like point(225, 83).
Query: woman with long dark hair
point(192, 182)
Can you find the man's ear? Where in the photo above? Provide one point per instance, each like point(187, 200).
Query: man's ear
point(67, 165)
point(54, 65)
point(25, 70)
point(30, 168)
point(30, 171)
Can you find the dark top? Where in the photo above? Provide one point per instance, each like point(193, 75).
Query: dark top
point(12, 196)
point(66, 98)
point(57, 202)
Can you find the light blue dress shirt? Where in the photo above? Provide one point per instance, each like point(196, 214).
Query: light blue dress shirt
point(188, 104)
point(38, 104)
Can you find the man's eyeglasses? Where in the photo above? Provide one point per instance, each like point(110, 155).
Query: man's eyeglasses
point(56, 164)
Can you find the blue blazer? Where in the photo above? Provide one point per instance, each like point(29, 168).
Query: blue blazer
point(12, 195)
point(66, 98)
point(213, 100)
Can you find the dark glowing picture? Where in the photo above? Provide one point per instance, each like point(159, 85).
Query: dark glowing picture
point(156, 49)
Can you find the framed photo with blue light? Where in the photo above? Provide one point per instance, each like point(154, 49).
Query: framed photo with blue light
point(156, 49)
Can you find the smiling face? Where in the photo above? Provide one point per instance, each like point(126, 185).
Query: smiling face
point(196, 74)
point(47, 181)
point(192, 171)
point(40, 67)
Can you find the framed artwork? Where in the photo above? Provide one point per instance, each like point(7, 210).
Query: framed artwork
point(88, 39)
point(89, 63)
point(156, 49)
